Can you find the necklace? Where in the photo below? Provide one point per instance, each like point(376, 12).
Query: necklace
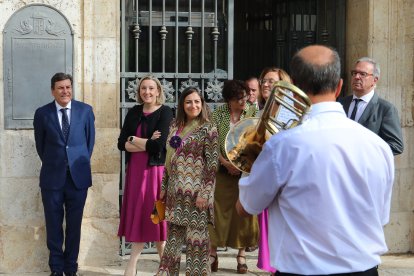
point(150, 108)
point(234, 119)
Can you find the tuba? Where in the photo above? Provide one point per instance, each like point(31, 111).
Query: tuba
point(284, 109)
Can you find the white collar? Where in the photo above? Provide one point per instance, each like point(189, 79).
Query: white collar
point(59, 107)
point(366, 98)
point(323, 107)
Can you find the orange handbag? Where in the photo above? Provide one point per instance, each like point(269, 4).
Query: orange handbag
point(158, 213)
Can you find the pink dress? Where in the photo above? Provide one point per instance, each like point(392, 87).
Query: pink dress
point(263, 258)
point(142, 188)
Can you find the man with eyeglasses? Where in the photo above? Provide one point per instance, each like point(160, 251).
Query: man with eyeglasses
point(368, 109)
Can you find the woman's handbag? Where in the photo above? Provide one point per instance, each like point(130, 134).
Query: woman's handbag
point(158, 213)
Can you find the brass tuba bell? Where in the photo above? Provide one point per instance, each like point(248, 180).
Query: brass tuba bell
point(284, 109)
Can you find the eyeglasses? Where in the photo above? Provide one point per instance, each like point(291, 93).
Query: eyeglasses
point(269, 81)
point(242, 98)
point(361, 74)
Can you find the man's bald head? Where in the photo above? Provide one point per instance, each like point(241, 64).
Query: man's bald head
point(317, 54)
point(316, 69)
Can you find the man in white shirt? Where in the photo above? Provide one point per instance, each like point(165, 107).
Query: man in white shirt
point(368, 109)
point(327, 182)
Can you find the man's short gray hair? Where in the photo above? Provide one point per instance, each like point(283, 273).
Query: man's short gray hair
point(377, 70)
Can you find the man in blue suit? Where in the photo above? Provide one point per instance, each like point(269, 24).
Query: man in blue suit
point(65, 135)
point(368, 109)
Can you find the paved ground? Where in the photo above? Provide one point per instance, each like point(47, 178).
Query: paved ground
point(393, 265)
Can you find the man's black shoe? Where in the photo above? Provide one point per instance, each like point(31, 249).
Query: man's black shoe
point(71, 274)
point(54, 273)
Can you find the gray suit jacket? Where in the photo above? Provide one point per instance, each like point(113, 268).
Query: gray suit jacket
point(382, 118)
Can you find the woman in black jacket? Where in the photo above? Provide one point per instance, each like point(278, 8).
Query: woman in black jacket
point(143, 137)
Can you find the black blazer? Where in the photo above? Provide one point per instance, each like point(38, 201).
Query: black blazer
point(158, 120)
point(382, 118)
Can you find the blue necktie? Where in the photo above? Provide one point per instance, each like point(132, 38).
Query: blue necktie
point(65, 123)
point(355, 109)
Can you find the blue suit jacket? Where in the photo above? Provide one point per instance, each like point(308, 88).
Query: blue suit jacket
point(57, 155)
point(382, 118)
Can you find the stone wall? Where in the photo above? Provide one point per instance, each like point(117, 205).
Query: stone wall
point(96, 72)
point(384, 30)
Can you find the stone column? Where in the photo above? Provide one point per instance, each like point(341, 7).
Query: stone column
point(99, 54)
point(383, 30)
point(23, 248)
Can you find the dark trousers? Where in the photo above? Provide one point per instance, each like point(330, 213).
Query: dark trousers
point(67, 202)
point(370, 272)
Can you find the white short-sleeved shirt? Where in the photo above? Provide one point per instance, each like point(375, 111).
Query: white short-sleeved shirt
point(328, 185)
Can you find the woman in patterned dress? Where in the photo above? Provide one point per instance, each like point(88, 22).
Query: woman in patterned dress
point(143, 137)
point(230, 229)
point(188, 186)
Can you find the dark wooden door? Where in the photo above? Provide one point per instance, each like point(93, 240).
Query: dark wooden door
point(269, 32)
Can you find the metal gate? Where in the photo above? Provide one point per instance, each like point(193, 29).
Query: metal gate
point(182, 43)
point(190, 43)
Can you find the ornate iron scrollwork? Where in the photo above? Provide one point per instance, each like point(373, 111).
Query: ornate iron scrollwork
point(168, 90)
point(188, 83)
point(213, 90)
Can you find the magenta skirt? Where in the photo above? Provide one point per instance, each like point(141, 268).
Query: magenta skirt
point(263, 260)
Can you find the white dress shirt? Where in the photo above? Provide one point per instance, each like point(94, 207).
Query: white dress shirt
point(328, 185)
point(361, 105)
point(59, 113)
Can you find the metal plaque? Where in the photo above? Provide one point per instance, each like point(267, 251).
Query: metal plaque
point(38, 42)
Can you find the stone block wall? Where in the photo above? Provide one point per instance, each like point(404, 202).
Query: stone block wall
point(96, 73)
point(384, 30)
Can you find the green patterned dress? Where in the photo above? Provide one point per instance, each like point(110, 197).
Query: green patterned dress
point(229, 228)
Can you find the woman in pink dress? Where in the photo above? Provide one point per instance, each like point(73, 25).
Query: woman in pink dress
point(143, 137)
point(267, 78)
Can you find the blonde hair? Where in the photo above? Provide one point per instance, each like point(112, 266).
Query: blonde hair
point(283, 76)
point(160, 98)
